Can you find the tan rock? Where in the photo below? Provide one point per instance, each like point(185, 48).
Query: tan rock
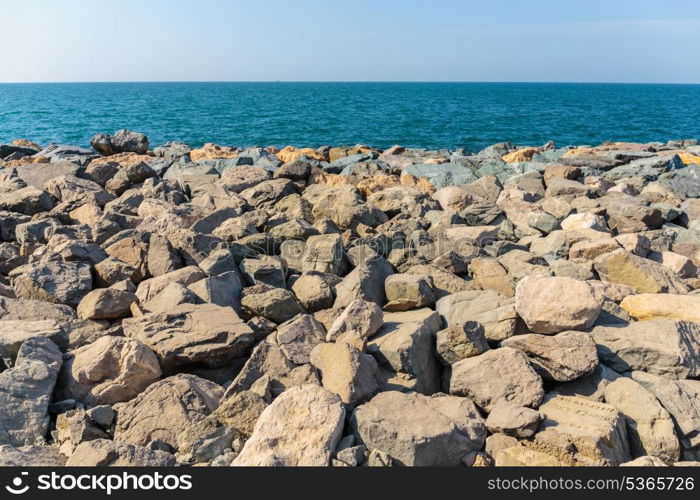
point(553, 304)
point(643, 275)
point(192, 334)
point(651, 428)
point(300, 428)
point(347, 372)
point(165, 409)
point(108, 371)
point(647, 306)
point(497, 374)
point(579, 431)
point(106, 303)
point(491, 275)
point(521, 155)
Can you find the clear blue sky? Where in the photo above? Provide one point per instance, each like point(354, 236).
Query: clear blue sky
point(351, 40)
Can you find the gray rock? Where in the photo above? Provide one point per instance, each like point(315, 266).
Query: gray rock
point(25, 393)
point(192, 334)
point(106, 453)
point(513, 420)
point(498, 374)
point(650, 427)
point(177, 401)
point(660, 346)
point(276, 304)
point(123, 141)
point(416, 430)
point(406, 344)
point(561, 358)
point(54, 281)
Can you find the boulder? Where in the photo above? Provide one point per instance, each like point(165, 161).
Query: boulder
point(54, 281)
point(513, 420)
point(27, 201)
point(108, 371)
point(106, 303)
point(660, 346)
point(323, 253)
point(241, 410)
point(553, 304)
point(300, 428)
point(177, 402)
point(494, 311)
point(681, 398)
point(276, 304)
point(192, 334)
point(347, 372)
point(106, 453)
point(123, 141)
point(498, 374)
point(406, 291)
point(270, 361)
point(458, 342)
point(579, 431)
point(314, 292)
point(644, 275)
point(25, 393)
point(561, 358)
point(650, 427)
point(416, 430)
point(405, 344)
point(648, 306)
point(358, 321)
point(365, 282)
point(298, 337)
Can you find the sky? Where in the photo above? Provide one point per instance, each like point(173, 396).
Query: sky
point(351, 40)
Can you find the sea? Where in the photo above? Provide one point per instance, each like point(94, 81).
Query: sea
point(422, 115)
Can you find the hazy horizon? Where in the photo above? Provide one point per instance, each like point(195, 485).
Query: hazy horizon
point(452, 41)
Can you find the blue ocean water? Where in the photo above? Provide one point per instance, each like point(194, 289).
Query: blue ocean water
point(430, 115)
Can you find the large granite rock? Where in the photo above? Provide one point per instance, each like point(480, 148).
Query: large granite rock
point(165, 409)
point(579, 431)
point(498, 374)
point(192, 334)
point(644, 275)
point(561, 358)
point(55, 281)
point(300, 428)
point(417, 430)
point(661, 347)
point(553, 304)
point(406, 344)
point(25, 393)
point(110, 370)
point(650, 427)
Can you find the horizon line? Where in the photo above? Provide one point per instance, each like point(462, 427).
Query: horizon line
point(561, 82)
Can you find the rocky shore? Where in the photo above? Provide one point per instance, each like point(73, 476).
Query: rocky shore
point(347, 306)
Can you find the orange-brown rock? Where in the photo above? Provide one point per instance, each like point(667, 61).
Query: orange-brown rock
point(213, 152)
point(290, 153)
